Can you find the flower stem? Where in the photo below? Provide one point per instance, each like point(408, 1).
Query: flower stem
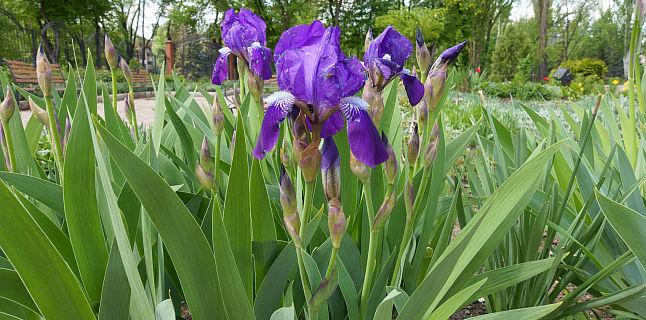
point(307, 203)
point(133, 121)
point(113, 74)
point(332, 263)
point(372, 252)
point(10, 149)
point(55, 136)
point(216, 170)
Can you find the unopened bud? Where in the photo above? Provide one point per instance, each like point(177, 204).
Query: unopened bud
point(422, 53)
point(255, 85)
point(205, 155)
point(368, 40)
point(286, 153)
point(7, 106)
point(360, 169)
point(413, 147)
point(110, 53)
point(384, 211)
point(390, 166)
point(422, 114)
point(325, 290)
point(39, 113)
point(217, 117)
point(5, 152)
point(377, 108)
point(44, 72)
point(409, 198)
point(66, 133)
point(434, 86)
point(293, 226)
point(287, 194)
point(336, 222)
point(431, 149)
point(330, 169)
point(310, 162)
point(126, 108)
point(449, 55)
point(204, 177)
point(123, 64)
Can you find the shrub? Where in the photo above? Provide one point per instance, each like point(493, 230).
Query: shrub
point(521, 90)
point(586, 67)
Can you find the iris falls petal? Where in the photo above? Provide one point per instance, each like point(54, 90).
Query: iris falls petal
point(279, 106)
point(364, 139)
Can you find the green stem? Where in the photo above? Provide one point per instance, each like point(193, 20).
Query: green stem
point(55, 136)
point(332, 263)
point(113, 73)
point(133, 121)
point(10, 149)
point(314, 313)
point(408, 232)
point(216, 169)
point(307, 203)
point(370, 269)
point(372, 252)
point(422, 189)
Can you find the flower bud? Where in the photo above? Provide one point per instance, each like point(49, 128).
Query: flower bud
point(204, 177)
point(205, 155)
point(310, 162)
point(449, 55)
point(434, 86)
point(331, 170)
point(255, 85)
point(377, 109)
point(217, 117)
point(39, 113)
point(126, 108)
point(390, 166)
point(384, 211)
point(422, 53)
point(360, 169)
point(286, 153)
point(287, 194)
point(336, 222)
point(7, 106)
point(431, 149)
point(422, 114)
point(293, 226)
point(44, 72)
point(110, 53)
point(366, 42)
point(413, 148)
point(5, 152)
point(325, 290)
point(409, 198)
point(123, 64)
point(66, 133)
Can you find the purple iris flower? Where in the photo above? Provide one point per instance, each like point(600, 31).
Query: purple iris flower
point(244, 36)
point(319, 81)
point(385, 59)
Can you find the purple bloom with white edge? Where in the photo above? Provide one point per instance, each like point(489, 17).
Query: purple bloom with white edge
point(244, 36)
point(385, 60)
point(318, 81)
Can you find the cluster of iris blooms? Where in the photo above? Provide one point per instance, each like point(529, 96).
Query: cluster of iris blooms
point(318, 84)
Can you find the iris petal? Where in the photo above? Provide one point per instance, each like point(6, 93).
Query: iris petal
point(332, 125)
point(414, 88)
point(221, 68)
point(279, 106)
point(240, 30)
point(260, 61)
point(365, 142)
point(329, 154)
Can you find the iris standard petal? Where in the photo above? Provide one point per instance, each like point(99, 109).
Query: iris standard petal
point(260, 60)
point(414, 88)
point(392, 43)
point(241, 30)
point(279, 106)
point(221, 68)
point(364, 139)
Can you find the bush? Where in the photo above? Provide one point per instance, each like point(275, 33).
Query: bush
point(586, 67)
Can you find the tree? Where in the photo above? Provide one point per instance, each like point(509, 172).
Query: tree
point(541, 13)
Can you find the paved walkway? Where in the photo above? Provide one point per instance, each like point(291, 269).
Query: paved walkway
point(145, 109)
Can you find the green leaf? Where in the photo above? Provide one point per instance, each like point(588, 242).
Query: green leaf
point(48, 193)
point(270, 291)
point(49, 280)
point(285, 313)
point(115, 297)
point(521, 314)
point(237, 211)
point(186, 244)
point(81, 209)
point(501, 278)
point(184, 137)
point(452, 304)
point(165, 310)
point(12, 288)
point(629, 224)
point(385, 309)
point(158, 122)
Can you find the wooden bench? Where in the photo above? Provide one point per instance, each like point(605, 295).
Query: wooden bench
point(141, 78)
point(25, 73)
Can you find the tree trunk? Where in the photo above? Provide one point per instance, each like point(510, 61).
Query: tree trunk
point(543, 10)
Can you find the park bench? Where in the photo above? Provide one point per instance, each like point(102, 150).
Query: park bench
point(141, 78)
point(25, 74)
